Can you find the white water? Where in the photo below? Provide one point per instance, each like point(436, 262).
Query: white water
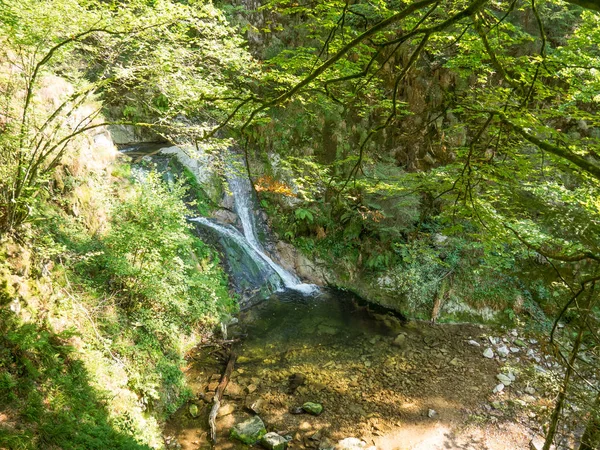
point(242, 196)
point(232, 233)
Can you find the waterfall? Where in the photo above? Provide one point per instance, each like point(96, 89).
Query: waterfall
point(241, 190)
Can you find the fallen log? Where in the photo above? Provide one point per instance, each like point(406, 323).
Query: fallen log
point(212, 417)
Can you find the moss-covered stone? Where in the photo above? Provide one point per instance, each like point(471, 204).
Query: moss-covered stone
point(250, 431)
point(194, 412)
point(313, 408)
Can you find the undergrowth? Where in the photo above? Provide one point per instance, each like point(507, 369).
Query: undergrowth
point(95, 321)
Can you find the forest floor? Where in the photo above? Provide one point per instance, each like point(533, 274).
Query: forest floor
point(431, 389)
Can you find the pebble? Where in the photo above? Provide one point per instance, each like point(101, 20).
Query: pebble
point(488, 353)
point(432, 413)
point(498, 388)
point(515, 350)
point(474, 343)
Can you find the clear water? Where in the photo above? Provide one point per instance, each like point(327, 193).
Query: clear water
point(291, 320)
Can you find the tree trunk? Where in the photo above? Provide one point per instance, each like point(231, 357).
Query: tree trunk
point(591, 437)
point(563, 390)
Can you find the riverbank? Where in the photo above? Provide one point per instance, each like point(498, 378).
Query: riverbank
point(391, 385)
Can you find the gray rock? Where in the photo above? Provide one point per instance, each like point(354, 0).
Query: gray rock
point(498, 388)
point(503, 351)
point(515, 349)
point(493, 340)
point(537, 443)
point(273, 441)
point(474, 343)
point(351, 443)
point(505, 380)
point(488, 353)
point(250, 431)
point(530, 390)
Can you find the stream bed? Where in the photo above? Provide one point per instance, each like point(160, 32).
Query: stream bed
point(378, 378)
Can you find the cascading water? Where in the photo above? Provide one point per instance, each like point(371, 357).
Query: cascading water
point(242, 194)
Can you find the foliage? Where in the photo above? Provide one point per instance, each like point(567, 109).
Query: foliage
point(46, 390)
point(166, 58)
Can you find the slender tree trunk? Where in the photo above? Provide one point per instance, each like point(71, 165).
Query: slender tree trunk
point(584, 311)
point(591, 437)
point(563, 390)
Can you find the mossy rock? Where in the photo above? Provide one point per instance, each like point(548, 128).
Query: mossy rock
point(313, 408)
point(250, 431)
point(194, 412)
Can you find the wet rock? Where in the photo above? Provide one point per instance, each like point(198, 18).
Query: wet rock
point(488, 353)
point(295, 381)
point(400, 340)
point(327, 329)
point(250, 431)
point(313, 408)
point(273, 441)
point(194, 411)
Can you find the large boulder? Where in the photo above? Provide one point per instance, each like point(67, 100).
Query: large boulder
point(250, 431)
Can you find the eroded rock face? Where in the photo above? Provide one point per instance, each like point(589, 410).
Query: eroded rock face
point(250, 431)
point(293, 261)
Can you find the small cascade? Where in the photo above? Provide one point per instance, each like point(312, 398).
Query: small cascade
point(242, 194)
